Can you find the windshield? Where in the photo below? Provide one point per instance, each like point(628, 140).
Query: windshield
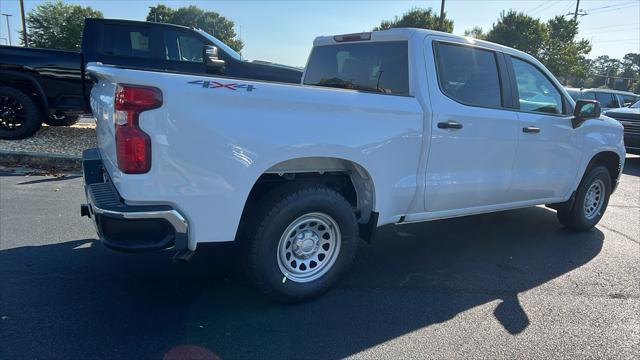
point(221, 45)
point(636, 105)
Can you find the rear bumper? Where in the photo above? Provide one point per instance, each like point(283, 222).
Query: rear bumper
point(126, 227)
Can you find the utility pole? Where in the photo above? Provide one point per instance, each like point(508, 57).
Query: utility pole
point(155, 13)
point(575, 14)
point(24, 25)
point(442, 15)
point(8, 28)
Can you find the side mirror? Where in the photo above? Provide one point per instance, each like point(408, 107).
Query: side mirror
point(585, 110)
point(211, 59)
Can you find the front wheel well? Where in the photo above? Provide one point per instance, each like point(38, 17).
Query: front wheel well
point(610, 160)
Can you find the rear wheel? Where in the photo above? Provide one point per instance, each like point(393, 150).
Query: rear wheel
point(19, 114)
point(305, 240)
point(61, 119)
point(592, 198)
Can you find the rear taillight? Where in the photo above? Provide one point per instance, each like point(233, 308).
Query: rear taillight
point(133, 146)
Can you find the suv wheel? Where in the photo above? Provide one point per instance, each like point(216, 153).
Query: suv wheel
point(305, 240)
point(19, 114)
point(592, 198)
point(61, 119)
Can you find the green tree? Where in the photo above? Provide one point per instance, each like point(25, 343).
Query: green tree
point(160, 13)
point(630, 65)
point(635, 86)
point(562, 54)
point(57, 25)
point(519, 31)
point(476, 32)
point(418, 18)
point(631, 70)
point(209, 21)
point(602, 71)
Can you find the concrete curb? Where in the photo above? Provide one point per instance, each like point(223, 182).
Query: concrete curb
point(40, 160)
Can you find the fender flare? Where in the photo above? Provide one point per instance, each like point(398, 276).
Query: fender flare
point(32, 80)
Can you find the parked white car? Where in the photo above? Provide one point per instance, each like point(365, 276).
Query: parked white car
point(388, 127)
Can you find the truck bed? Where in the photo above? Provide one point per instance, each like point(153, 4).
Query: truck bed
point(59, 73)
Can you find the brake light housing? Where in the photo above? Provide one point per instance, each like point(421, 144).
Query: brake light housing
point(364, 36)
point(133, 146)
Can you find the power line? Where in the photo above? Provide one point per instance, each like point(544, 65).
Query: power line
point(538, 6)
point(607, 31)
point(566, 7)
point(609, 10)
point(618, 40)
point(610, 6)
point(545, 8)
point(611, 26)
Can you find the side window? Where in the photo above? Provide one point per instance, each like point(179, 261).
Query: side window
point(380, 67)
point(606, 100)
point(536, 92)
point(126, 40)
point(626, 100)
point(468, 75)
point(180, 47)
point(588, 96)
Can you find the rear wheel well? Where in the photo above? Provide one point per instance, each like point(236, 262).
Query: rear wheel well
point(346, 178)
point(22, 83)
point(610, 160)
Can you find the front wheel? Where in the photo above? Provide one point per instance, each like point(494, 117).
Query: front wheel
point(305, 240)
point(592, 198)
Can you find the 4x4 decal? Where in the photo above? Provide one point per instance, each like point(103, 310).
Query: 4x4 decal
point(218, 85)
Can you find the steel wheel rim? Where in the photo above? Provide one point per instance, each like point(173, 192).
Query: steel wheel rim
point(12, 113)
point(594, 199)
point(309, 247)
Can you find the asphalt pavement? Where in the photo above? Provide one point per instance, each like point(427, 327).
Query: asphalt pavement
point(512, 284)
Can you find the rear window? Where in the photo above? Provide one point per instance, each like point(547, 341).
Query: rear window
point(468, 75)
point(123, 40)
point(380, 67)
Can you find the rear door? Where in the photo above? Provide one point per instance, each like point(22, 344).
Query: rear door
point(473, 132)
point(549, 148)
point(607, 100)
point(124, 44)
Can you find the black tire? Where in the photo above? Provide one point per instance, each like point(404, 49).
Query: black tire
point(62, 119)
point(18, 108)
point(277, 212)
point(576, 217)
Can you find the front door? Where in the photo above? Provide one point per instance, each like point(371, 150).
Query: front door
point(473, 131)
point(549, 148)
point(181, 52)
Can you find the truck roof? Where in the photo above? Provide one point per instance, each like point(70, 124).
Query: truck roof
point(124, 21)
point(404, 34)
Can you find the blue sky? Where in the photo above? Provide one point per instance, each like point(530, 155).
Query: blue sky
point(283, 31)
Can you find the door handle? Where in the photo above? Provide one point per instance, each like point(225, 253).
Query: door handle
point(449, 125)
point(531, 130)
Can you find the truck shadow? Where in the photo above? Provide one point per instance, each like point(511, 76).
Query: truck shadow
point(78, 300)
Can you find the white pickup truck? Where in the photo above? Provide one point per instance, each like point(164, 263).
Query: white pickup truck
point(388, 127)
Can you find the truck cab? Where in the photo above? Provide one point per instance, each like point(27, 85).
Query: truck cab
point(388, 127)
point(172, 48)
